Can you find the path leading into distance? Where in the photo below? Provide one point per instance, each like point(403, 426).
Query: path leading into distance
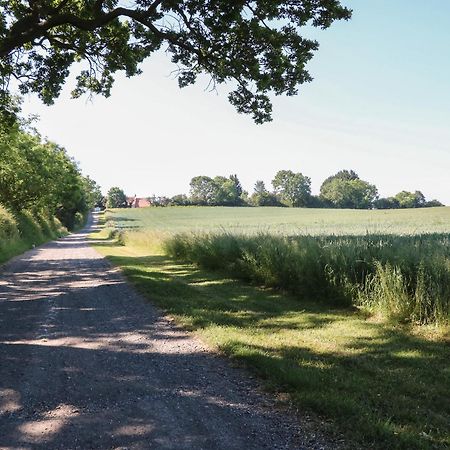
point(87, 363)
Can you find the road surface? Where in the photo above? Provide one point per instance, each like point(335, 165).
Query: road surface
point(87, 363)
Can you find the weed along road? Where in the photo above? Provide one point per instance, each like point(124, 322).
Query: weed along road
point(87, 363)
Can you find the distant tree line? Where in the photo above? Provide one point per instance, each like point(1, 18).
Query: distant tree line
point(345, 189)
point(40, 177)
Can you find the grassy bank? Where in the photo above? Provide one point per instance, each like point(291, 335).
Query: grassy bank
point(382, 385)
point(23, 230)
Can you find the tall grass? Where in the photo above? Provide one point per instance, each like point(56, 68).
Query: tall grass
point(21, 231)
point(402, 278)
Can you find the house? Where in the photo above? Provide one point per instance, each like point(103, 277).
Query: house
point(138, 202)
point(141, 203)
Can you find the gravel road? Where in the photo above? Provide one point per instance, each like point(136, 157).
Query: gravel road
point(87, 363)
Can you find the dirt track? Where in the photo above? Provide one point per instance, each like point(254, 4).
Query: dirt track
point(85, 363)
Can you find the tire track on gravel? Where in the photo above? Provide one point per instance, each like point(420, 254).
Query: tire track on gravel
point(86, 363)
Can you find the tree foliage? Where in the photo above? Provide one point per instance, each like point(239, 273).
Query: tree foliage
point(40, 176)
point(94, 195)
point(237, 185)
point(433, 203)
point(262, 197)
point(347, 190)
point(344, 175)
point(203, 190)
point(180, 200)
point(342, 190)
point(255, 44)
point(294, 189)
point(116, 198)
point(386, 203)
point(407, 199)
point(216, 191)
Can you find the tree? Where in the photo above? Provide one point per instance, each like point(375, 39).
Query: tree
point(94, 195)
point(116, 198)
point(203, 190)
point(294, 189)
point(256, 44)
point(433, 203)
point(345, 175)
point(316, 202)
point(179, 200)
point(39, 176)
point(237, 184)
point(217, 191)
point(260, 188)
point(227, 193)
point(386, 203)
point(407, 199)
point(159, 200)
point(70, 196)
point(262, 197)
point(346, 190)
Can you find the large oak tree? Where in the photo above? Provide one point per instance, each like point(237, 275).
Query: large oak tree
point(255, 44)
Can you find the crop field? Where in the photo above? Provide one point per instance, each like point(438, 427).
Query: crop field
point(284, 220)
point(344, 313)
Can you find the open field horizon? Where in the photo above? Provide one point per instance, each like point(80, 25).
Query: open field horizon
point(283, 220)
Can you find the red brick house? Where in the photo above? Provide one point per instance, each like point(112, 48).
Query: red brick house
point(138, 202)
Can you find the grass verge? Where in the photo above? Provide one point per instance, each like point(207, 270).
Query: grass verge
point(22, 231)
point(382, 385)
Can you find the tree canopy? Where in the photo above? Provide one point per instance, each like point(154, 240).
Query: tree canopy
point(346, 190)
point(116, 198)
point(216, 191)
point(343, 190)
point(262, 197)
point(256, 44)
point(407, 199)
point(294, 189)
point(39, 176)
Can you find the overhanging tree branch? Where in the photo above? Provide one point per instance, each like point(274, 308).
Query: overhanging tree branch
point(256, 43)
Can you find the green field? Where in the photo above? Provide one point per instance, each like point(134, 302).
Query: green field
point(383, 383)
point(285, 220)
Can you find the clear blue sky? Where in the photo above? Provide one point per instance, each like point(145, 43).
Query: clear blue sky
point(379, 104)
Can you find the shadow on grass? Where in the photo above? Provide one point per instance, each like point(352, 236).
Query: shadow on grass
point(381, 385)
point(83, 364)
point(123, 219)
point(216, 300)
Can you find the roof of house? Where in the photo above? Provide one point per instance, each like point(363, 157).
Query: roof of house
point(141, 203)
point(138, 202)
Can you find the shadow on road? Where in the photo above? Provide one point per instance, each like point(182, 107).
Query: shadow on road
point(86, 363)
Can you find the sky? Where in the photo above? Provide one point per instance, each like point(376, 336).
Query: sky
point(379, 104)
